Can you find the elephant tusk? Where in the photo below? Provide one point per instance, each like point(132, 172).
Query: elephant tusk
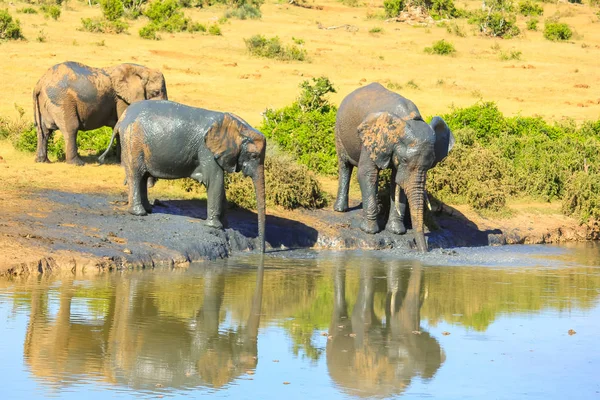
point(427, 200)
point(397, 199)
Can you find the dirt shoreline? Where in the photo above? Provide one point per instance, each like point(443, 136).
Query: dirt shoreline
point(93, 233)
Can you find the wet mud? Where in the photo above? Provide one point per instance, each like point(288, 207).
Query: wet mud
point(94, 232)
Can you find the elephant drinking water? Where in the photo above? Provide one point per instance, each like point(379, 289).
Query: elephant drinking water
point(376, 129)
point(168, 140)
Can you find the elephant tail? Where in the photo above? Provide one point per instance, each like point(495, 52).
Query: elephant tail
point(101, 159)
point(37, 115)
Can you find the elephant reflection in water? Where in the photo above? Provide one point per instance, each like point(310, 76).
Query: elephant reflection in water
point(136, 344)
point(368, 357)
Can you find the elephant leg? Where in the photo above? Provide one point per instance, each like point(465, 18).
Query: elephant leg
point(368, 175)
point(69, 131)
point(213, 177)
point(144, 193)
point(136, 182)
point(395, 222)
point(344, 174)
point(43, 135)
point(118, 150)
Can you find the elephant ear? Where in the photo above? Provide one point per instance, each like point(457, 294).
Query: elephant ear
point(129, 82)
point(380, 133)
point(225, 141)
point(444, 139)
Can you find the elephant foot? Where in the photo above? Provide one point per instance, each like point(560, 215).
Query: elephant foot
point(138, 210)
point(340, 206)
point(148, 208)
point(214, 223)
point(42, 159)
point(369, 226)
point(76, 161)
point(396, 227)
point(151, 181)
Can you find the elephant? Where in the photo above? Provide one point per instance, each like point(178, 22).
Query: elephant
point(375, 129)
point(168, 140)
point(368, 356)
point(71, 97)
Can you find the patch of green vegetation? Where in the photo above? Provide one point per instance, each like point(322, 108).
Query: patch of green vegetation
point(100, 25)
point(27, 10)
point(393, 7)
point(438, 9)
point(41, 37)
point(530, 8)
point(557, 31)
point(351, 3)
point(215, 30)
point(532, 24)
point(112, 9)
point(290, 185)
point(510, 55)
point(499, 157)
point(9, 29)
point(245, 11)
point(305, 129)
point(51, 11)
point(261, 46)
point(455, 29)
point(92, 142)
point(167, 16)
point(412, 84)
point(441, 47)
point(376, 29)
point(133, 8)
point(496, 19)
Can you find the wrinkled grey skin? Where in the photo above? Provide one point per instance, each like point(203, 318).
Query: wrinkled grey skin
point(73, 97)
point(377, 129)
point(168, 140)
point(397, 349)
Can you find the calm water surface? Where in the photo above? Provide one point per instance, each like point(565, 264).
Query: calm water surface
point(487, 323)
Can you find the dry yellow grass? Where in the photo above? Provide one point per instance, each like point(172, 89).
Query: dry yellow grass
point(218, 73)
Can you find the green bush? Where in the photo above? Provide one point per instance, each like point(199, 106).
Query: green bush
point(530, 8)
point(149, 31)
point(581, 196)
point(133, 8)
point(376, 29)
point(289, 185)
point(27, 10)
point(496, 23)
point(112, 9)
point(511, 55)
point(393, 7)
point(246, 11)
point(215, 30)
point(51, 11)
point(441, 47)
point(99, 25)
point(444, 9)
point(305, 129)
point(162, 10)
point(532, 24)
point(9, 29)
point(261, 46)
point(557, 31)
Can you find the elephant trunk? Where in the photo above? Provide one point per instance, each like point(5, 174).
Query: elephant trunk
point(259, 186)
point(416, 200)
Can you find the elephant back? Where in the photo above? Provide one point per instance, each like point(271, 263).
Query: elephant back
point(366, 100)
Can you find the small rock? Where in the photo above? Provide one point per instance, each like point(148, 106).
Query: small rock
point(2, 160)
point(445, 333)
point(571, 332)
point(250, 372)
point(329, 337)
point(286, 383)
point(324, 333)
point(416, 332)
point(352, 335)
point(126, 251)
point(158, 385)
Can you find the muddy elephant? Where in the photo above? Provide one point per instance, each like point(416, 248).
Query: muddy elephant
point(168, 140)
point(73, 97)
point(368, 356)
point(376, 129)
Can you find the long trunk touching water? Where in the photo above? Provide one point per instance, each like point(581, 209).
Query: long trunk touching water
point(259, 187)
point(416, 199)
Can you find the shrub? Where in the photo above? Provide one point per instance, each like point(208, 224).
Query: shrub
point(376, 29)
point(261, 46)
point(112, 9)
point(581, 196)
point(443, 9)
point(576, 1)
point(27, 10)
point(51, 11)
point(9, 29)
point(456, 29)
point(289, 184)
point(215, 30)
point(511, 55)
point(99, 25)
point(532, 24)
point(529, 8)
point(149, 31)
point(393, 7)
point(246, 11)
point(496, 23)
point(557, 31)
point(306, 127)
point(196, 27)
point(133, 8)
point(41, 37)
point(441, 47)
point(162, 10)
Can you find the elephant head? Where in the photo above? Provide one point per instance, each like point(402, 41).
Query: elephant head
point(413, 147)
point(133, 82)
point(237, 146)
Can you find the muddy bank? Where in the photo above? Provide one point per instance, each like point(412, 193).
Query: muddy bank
point(94, 232)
